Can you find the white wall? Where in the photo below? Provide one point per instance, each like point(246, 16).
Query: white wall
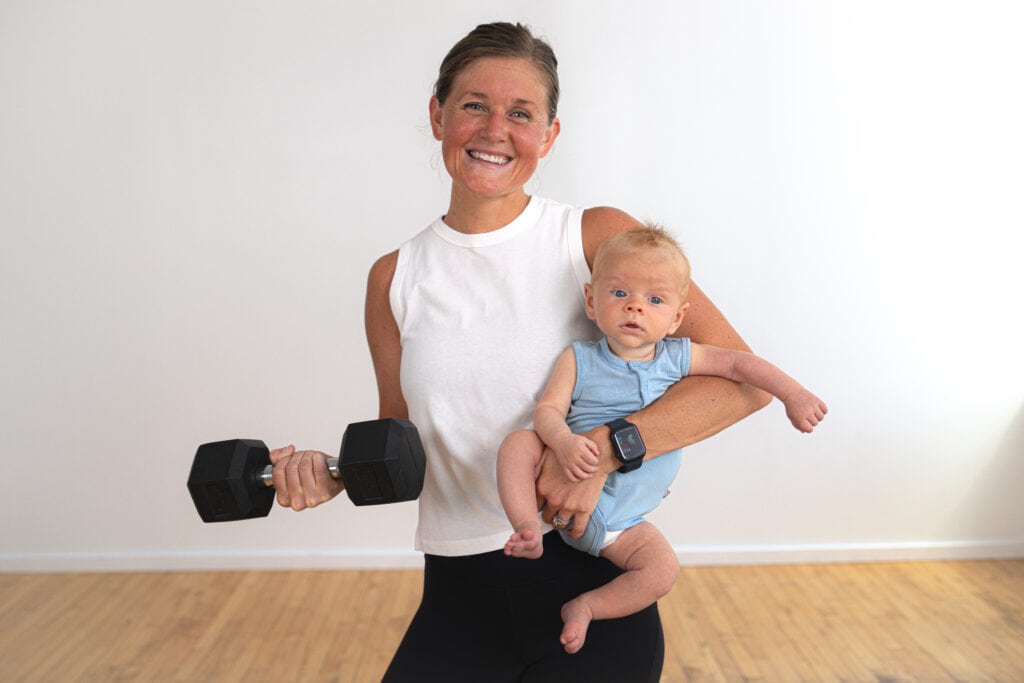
point(191, 194)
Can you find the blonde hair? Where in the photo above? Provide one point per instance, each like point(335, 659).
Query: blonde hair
point(643, 237)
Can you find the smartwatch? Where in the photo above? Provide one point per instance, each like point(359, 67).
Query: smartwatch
point(628, 446)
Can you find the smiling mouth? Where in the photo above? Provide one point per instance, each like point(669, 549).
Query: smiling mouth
point(490, 158)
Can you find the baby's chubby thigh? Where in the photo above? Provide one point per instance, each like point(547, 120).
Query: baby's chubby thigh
point(642, 548)
point(521, 448)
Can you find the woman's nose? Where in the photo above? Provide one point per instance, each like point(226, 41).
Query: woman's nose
point(495, 129)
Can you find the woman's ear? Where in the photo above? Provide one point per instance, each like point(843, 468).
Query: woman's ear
point(435, 118)
point(550, 135)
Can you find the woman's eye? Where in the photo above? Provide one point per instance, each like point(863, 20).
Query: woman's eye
point(473, 106)
point(521, 115)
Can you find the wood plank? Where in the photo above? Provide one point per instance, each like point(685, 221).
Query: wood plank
point(934, 621)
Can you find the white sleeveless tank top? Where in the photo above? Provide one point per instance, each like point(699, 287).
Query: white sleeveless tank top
point(482, 320)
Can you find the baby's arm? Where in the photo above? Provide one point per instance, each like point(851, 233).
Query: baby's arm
point(576, 454)
point(804, 409)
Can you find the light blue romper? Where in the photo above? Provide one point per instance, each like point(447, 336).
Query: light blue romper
point(607, 388)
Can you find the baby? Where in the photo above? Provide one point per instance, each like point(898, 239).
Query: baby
point(637, 297)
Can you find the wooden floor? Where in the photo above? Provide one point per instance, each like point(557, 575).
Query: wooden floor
point(924, 621)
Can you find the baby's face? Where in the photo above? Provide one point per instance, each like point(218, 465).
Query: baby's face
point(636, 301)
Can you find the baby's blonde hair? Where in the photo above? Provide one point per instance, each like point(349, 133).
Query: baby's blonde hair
point(645, 236)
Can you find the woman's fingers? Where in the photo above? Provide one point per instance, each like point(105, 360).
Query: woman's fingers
point(301, 478)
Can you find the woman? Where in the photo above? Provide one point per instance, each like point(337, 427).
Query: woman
point(465, 322)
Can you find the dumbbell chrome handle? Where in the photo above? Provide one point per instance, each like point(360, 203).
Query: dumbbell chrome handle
point(266, 477)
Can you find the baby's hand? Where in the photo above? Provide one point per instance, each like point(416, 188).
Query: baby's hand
point(578, 457)
point(805, 410)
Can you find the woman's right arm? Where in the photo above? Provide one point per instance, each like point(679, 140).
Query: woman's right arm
point(383, 337)
point(301, 479)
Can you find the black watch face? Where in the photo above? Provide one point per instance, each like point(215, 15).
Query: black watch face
point(630, 445)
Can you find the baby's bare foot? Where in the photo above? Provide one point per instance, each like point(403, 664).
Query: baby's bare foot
point(526, 542)
point(576, 617)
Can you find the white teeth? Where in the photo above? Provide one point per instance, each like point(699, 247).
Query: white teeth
point(492, 158)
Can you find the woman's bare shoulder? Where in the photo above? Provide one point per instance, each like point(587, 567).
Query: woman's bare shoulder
point(600, 223)
point(383, 271)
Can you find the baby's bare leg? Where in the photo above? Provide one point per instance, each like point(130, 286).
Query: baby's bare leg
point(519, 460)
point(651, 570)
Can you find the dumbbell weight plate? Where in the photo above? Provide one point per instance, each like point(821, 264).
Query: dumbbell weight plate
point(224, 480)
point(382, 461)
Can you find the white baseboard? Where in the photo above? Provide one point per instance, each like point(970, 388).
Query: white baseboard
point(698, 556)
point(408, 559)
point(210, 561)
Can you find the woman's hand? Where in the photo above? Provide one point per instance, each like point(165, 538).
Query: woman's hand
point(301, 478)
point(559, 497)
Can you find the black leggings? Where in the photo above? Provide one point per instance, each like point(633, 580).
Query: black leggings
point(490, 618)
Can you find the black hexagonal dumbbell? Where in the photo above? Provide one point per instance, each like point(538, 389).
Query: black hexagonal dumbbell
point(381, 461)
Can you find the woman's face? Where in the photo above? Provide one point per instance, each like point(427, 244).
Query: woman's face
point(494, 127)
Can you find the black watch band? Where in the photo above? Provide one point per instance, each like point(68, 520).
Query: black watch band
point(627, 444)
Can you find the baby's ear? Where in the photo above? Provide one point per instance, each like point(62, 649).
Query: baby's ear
point(588, 295)
point(680, 314)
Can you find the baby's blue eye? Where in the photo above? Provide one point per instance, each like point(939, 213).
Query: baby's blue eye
point(656, 300)
point(618, 293)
